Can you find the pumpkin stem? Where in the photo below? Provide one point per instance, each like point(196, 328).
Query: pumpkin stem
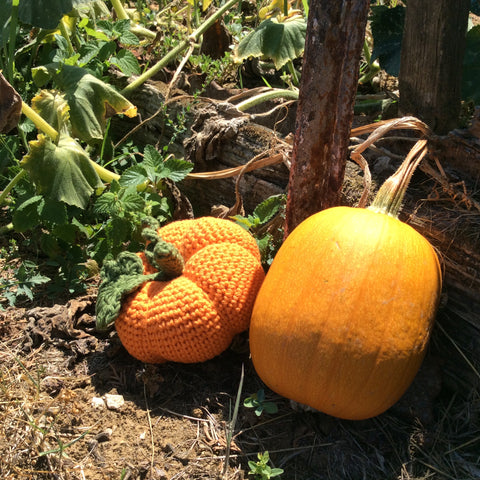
point(162, 255)
point(390, 196)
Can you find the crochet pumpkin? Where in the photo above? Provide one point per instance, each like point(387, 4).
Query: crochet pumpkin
point(187, 295)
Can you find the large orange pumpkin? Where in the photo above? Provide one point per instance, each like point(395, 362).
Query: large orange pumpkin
point(342, 320)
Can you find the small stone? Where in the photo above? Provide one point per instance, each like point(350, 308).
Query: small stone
point(98, 402)
point(114, 402)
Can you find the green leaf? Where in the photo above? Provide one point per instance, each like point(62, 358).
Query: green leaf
point(107, 49)
point(92, 32)
point(61, 172)
point(43, 13)
point(5, 18)
point(125, 35)
point(126, 62)
point(152, 157)
point(135, 175)
point(266, 210)
point(53, 108)
point(108, 204)
point(38, 280)
point(387, 31)
point(91, 102)
point(88, 52)
point(471, 66)
point(26, 214)
point(276, 40)
point(176, 169)
point(132, 202)
point(53, 212)
point(119, 230)
point(67, 232)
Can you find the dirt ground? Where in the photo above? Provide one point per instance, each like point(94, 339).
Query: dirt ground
point(75, 405)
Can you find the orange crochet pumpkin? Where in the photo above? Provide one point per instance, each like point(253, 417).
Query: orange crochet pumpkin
point(194, 316)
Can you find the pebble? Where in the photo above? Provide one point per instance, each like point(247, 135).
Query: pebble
point(114, 402)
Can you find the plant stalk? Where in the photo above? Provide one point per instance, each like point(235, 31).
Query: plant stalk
point(193, 38)
point(11, 41)
point(11, 184)
point(123, 15)
point(390, 196)
point(120, 10)
point(39, 122)
point(265, 96)
point(66, 36)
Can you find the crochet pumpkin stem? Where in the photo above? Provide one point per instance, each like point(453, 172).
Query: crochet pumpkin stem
point(162, 255)
point(166, 258)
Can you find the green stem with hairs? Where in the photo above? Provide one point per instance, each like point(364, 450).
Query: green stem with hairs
point(66, 36)
point(178, 49)
point(293, 73)
point(265, 96)
point(11, 184)
point(119, 10)
point(134, 28)
point(390, 196)
point(11, 41)
point(39, 122)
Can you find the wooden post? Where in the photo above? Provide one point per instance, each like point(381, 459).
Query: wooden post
point(433, 47)
point(335, 36)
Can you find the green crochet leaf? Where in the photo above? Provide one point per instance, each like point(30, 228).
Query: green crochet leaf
point(124, 275)
point(119, 278)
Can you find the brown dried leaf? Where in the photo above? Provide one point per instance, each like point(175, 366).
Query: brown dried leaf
point(10, 106)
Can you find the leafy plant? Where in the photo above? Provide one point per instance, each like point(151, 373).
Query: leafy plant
point(261, 470)
point(280, 37)
point(20, 282)
point(258, 402)
point(257, 223)
point(138, 193)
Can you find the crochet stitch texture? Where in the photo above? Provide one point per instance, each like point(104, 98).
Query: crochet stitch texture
point(194, 317)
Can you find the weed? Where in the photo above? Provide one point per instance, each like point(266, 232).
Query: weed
point(258, 402)
point(19, 282)
point(261, 470)
point(262, 226)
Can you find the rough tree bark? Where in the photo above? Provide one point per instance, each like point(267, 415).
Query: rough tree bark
point(433, 46)
point(335, 35)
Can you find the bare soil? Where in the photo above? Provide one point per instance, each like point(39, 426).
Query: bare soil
point(59, 377)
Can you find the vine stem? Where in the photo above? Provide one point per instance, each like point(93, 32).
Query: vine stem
point(11, 184)
point(268, 95)
point(122, 14)
point(39, 121)
point(11, 40)
point(193, 38)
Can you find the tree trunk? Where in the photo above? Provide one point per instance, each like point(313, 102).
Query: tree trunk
point(335, 36)
point(433, 47)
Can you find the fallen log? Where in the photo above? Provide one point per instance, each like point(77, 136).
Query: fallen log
point(442, 201)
